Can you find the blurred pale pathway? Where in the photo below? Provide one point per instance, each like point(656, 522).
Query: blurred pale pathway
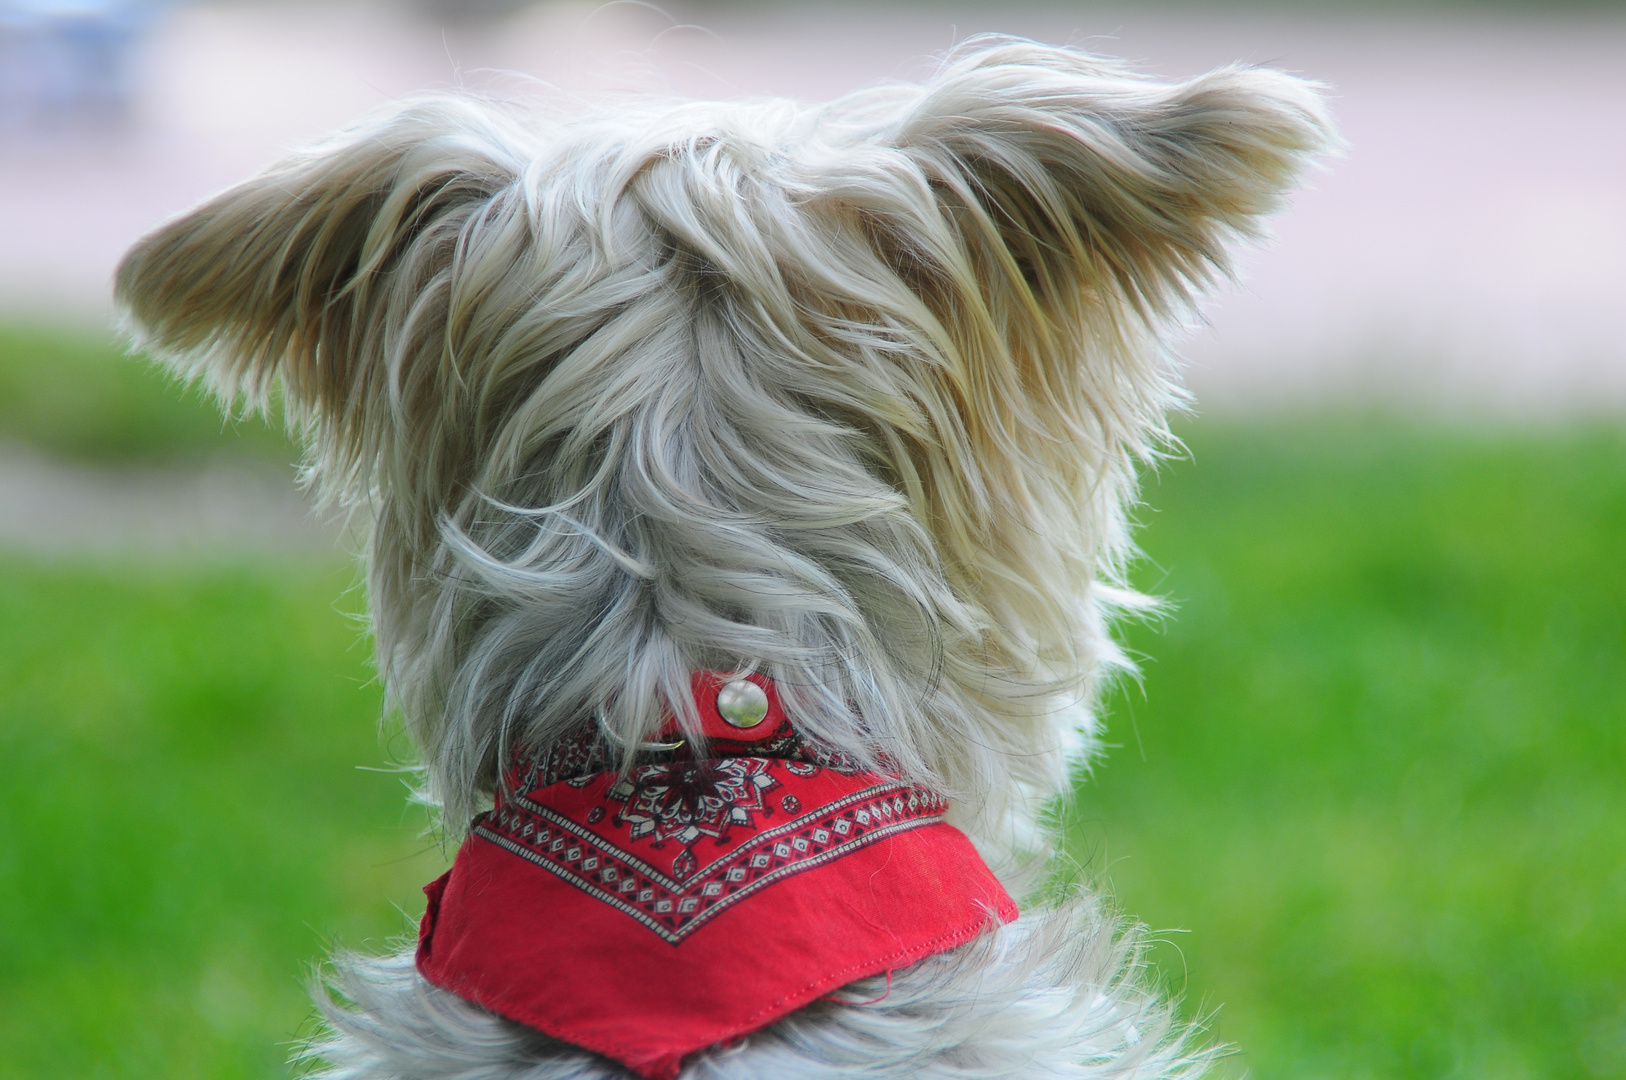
point(178, 516)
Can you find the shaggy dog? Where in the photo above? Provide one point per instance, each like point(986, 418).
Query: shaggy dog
point(836, 409)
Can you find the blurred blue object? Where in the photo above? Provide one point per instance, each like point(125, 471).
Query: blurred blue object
point(65, 65)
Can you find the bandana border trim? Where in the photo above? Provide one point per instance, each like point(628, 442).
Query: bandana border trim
point(876, 793)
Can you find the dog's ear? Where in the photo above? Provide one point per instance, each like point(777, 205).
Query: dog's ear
point(323, 273)
point(1051, 216)
point(1069, 170)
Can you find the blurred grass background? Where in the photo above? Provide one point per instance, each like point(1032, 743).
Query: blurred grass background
point(1376, 768)
point(75, 395)
point(1373, 774)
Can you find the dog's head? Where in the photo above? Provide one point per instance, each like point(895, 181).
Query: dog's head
point(852, 395)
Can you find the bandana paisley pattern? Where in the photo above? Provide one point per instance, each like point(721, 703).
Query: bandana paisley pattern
point(684, 801)
point(674, 844)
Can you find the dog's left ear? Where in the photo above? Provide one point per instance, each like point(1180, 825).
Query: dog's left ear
point(1043, 220)
point(1071, 171)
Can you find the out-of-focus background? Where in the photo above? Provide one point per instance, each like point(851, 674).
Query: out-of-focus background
point(1369, 793)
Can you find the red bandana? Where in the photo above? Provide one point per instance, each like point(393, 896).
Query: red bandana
point(692, 901)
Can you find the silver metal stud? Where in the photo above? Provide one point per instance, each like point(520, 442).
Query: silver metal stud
point(742, 703)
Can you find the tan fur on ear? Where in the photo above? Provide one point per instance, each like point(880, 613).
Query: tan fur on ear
point(850, 395)
point(1086, 174)
point(324, 273)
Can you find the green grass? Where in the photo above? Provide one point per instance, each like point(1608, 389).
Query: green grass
point(184, 823)
point(1378, 767)
point(77, 396)
point(1375, 770)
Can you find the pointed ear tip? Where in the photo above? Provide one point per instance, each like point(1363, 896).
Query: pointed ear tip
point(126, 274)
point(1305, 99)
point(127, 328)
point(134, 278)
point(1283, 117)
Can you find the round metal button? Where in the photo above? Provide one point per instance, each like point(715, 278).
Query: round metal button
point(742, 703)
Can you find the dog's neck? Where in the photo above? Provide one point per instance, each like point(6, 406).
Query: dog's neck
point(592, 748)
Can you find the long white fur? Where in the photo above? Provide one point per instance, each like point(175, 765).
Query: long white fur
point(1051, 996)
point(851, 395)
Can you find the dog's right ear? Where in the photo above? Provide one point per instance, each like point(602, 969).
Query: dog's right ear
point(289, 275)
